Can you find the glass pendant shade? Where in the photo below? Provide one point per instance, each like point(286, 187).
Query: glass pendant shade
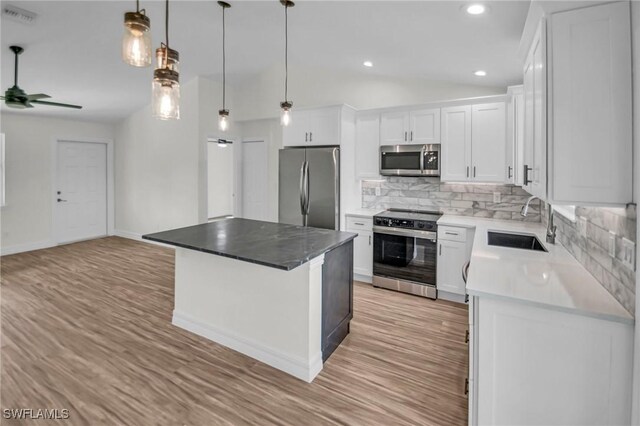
point(223, 120)
point(165, 100)
point(136, 41)
point(285, 115)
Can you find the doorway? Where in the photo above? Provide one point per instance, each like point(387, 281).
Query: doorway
point(220, 179)
point(81, 191)
point(255, 179)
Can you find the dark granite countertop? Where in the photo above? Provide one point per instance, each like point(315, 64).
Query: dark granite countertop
point(266, 243)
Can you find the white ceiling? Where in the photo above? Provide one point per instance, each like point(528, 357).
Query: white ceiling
point(73, 50)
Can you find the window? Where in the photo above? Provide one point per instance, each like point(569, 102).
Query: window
point(567, 211)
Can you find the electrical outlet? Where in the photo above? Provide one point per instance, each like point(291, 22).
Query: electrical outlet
point(377, 191)
point(612, 244)
point(582, 226)
point(629, 254)
point(497, 197)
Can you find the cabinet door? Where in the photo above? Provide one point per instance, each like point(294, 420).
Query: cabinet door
point(591, 135)
point(527, 149)
point(452, 255)
point(394, 128)
point(488, 142)
point(456, 143)
point(424, 127)
point(363, 254)
point(367, 146)
point(323, 126)
point(296, 133)
point(515, 133)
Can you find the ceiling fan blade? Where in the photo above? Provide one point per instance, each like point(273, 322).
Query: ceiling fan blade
point(37, 96)
point(55, 104)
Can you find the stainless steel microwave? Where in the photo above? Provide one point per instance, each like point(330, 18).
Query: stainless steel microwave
point(410, 160)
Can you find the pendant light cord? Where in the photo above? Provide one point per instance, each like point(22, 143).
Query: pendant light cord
point(224, 65)
point(166, 23)
point(286, 52)
point(138, 6)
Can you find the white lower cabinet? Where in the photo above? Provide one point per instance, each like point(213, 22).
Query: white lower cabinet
point(532, 365)
point(362, 247)
point(454, 250)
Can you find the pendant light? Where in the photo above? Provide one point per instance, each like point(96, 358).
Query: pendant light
point(285, 115)
point(223, 114)
point(136, 41)
point(165, 97)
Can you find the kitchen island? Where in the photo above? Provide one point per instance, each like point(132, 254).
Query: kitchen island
point(281, 294)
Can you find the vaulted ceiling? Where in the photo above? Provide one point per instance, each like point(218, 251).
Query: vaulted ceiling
point(73, 49)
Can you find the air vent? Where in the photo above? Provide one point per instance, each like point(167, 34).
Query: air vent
point(18, 15)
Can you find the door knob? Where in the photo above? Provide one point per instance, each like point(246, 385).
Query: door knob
point(60, 200)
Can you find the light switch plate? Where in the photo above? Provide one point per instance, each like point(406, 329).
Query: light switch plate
point(612, 244)
point(377, 191)
point(629, 254)
point(497, 197)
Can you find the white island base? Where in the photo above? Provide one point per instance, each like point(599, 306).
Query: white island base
point(269, 314)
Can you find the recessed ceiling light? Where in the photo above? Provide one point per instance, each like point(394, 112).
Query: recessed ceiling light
point(480, 73)
point(367, 64)
point(476, 9)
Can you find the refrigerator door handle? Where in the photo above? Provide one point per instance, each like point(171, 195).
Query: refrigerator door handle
point(302, 191)
point(306, 188)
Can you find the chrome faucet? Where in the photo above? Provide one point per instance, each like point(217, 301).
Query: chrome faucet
point(551, 228)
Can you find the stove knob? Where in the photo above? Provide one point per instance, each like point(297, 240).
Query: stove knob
point(420, 225)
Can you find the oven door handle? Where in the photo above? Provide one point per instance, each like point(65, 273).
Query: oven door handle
point(430, 235)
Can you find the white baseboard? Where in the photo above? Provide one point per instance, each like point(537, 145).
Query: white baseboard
point(452, 297)
point(21, 248)
point(363, 278)
point(138, 237)
point(297, 367)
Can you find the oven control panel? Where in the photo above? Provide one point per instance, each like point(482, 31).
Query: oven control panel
point(405, 223)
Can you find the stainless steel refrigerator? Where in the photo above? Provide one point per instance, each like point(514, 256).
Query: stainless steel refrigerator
point(309, 190)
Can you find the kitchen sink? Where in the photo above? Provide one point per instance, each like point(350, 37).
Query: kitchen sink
point(518, 241)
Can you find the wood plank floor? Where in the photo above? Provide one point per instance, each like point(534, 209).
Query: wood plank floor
point(87, 327)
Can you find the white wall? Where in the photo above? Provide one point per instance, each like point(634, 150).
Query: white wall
point(26, 220)
point(161, 166)
point(259, 97)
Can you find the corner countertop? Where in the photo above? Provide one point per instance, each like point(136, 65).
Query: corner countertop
point(364, 213)
point(275, 245)
point(554, 280)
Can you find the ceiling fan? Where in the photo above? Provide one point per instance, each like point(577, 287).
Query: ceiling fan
point(15, 97)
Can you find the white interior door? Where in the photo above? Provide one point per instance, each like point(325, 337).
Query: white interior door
point(81, 191)
point(220, 180)
point(255, 178)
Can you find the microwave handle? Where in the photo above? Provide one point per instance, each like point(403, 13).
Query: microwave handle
point(423, 153)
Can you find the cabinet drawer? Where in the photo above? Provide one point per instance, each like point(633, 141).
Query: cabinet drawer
point(359, 224)
point(450, 233)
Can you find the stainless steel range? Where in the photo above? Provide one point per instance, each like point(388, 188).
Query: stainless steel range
point(405, 251)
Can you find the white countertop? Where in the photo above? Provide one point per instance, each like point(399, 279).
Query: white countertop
point(366, 213)
point(553, 280)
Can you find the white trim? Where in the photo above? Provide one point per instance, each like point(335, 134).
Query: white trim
point(138, 237)
point(110, 181)
point(451, 297)
point(295, 366)
point(21, 248)
point(567, 211)
point(363, 278)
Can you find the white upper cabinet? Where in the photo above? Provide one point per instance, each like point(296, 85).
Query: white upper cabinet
point(456, 143)
point(515, 135)
point(534, 172)
point(424, 126)
point(313, 127)
point(474, 143)
point(488, 142)
point(591, 114)
point(410, 127)
point(394, 128)
point(367, 146)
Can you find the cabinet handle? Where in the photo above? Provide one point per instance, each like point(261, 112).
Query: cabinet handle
point(450, 233)
point(510, 173)
point(467, 171)
point(369, 239)
point(525, 178)
point(358, 223)
point(466, 386)
point(474, 171)
point(310, 136)
point(405, 136)
point(411, 138)
point(306, 136)
point(440, 248)
point(466, 337)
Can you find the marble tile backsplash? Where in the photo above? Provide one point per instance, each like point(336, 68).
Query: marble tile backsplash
point(587, 239)
point(460, 199)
